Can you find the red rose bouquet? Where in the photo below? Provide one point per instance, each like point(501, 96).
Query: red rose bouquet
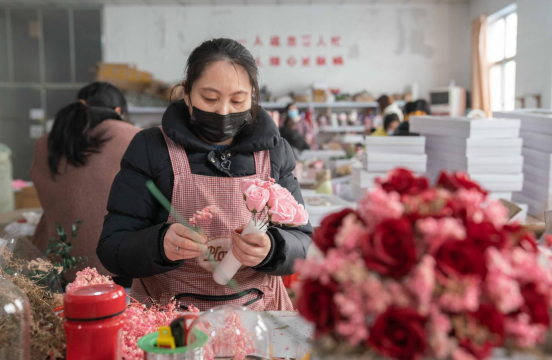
point(420, 271)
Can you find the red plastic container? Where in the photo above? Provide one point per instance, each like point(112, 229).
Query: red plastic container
point(94, 322)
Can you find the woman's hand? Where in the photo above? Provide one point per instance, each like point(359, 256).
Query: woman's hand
point(182, 243)
point(252, 249)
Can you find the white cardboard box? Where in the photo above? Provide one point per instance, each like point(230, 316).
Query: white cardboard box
point(375, 162)
point(536, 191)
point(321, 205)
point(464, 127)
point(475, 147)
point(322, 154)
point(395, 144)
point(490, 182)
point(535, 122)
point(537, 158)
point(540, 177)
point(500, 195)
point(537, 141)
point(475, 164)
point(535, 208)
point(365, 178)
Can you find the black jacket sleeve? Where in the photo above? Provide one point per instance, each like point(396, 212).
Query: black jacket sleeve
point(131, 242)
point(288, 244)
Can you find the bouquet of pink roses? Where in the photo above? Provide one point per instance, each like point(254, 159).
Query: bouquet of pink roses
point(420, 271)
point(270, 203)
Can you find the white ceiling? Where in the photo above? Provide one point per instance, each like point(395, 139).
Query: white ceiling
point(219, 2)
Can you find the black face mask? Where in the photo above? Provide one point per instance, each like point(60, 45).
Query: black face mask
point(217, 128)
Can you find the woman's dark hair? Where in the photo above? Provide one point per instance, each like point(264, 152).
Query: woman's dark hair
point(228, 50)
point(389, 119)
point(421, 105)
point(384, 101)
point(71, 134)
point(289, 105)
point(409, 107)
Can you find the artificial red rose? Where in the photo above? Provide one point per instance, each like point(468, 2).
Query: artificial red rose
point(404, 182)
point(535, 304)
point(521, 237)
point(399, 333)
point(456, 181)
point(390, 250)
point(485, 234)
point(489, 317)
point(316, 304)
point(324, 236)
point(460, 258)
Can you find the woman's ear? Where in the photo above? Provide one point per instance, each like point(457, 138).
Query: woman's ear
point(185, 95)
point(118, 110)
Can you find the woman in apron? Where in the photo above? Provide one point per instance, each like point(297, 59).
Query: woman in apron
point(209, 142)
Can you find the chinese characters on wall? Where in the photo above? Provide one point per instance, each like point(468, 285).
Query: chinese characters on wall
point(276, 42)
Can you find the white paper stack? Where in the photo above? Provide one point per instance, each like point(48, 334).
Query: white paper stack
point(487, 150)
point(386, 153)
point(536, 131)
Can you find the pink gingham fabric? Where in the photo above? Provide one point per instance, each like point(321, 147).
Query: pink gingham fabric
point(194, 192)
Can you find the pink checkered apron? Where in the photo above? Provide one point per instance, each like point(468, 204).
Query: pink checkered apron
point(193, 282)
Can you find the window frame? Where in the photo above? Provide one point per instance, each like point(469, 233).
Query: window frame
point(501, 15)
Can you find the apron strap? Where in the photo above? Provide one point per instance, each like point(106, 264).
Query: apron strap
point(177, 153)
point(229, 297)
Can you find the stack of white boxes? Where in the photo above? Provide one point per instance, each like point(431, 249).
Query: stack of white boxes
point(487, 150)
point(536, 131)
point(385, 153)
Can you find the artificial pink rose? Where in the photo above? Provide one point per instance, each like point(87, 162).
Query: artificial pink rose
point(279, 192)
point(247, 183)
point(256, 198)
point(301, 216)
point(283, 212)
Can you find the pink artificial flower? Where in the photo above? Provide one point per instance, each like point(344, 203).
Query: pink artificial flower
point(471, 201)
point(256, 198)
point(349, 232)
point(496, 212)
point(204, 217)
point(88, 277)
point(528, 269)
point(301, 216)
point(460, 294)
point(247, 183)
point(524, 334)
point(352, 326)
point(398, 294)
point(438, 333)
point(462, 354)
point(377, 298)
point(421, 283)
point(379, 205)
point(500, 285)
point(436, 231)
point(282, 212)
point(279, 192)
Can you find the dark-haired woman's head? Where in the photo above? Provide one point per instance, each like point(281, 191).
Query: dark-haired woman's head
point(71, 136)
point(384, 101)
point(409, 107)
point(421, 105)
point(391, 122)
point(221, 78)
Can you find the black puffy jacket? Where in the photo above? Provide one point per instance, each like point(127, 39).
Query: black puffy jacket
point(131, 243)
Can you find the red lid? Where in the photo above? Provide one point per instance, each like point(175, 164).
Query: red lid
point(95, 302)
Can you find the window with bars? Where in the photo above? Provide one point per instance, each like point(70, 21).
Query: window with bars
point(46, 56)
point(501, 56)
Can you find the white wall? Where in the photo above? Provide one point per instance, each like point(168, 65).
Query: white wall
point(534, 45)
point(385, 46)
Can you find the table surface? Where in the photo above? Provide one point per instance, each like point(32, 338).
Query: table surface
point(9, 217)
